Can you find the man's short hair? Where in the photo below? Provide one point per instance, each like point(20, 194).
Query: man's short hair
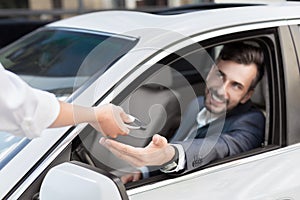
point(244, 53)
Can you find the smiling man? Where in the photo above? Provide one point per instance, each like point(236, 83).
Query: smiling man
point(226, 124)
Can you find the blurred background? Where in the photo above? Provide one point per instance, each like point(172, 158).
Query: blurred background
point(53, 9)
point(18, 17)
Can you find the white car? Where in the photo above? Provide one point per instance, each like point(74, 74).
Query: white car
point(153, 65)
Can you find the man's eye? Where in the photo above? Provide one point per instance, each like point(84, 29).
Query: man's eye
point(220, 75)
point(237, 86)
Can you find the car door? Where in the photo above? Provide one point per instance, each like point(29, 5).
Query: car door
point(251, 175)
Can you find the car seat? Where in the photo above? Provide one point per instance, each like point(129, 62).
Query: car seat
point(261, 99)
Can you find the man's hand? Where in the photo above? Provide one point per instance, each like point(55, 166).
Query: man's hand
point(156, 153)
point(131, 177)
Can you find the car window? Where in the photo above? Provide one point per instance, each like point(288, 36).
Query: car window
point(159, 98)
point(61, 60)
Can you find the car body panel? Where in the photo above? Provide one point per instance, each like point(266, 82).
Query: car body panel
point(292, 81)
point(242, 179)
point(17, 168)
point(129, 23)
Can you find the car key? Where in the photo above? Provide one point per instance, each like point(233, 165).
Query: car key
point(136, 124)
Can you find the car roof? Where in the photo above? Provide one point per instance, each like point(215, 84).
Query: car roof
point(130, 23)
point(196, 7)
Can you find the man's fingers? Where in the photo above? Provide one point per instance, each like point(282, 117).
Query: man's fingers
point(116, 152)
point(137, 176)
point(119, 147)
point(159, 141)
point(131, 177)
point(124, 152)
point(127, 178)
point(126, 149)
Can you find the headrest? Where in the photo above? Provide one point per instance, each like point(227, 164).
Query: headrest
point(259, 96)
point(161, 79)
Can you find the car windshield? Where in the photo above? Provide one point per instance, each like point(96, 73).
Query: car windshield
point(61, 61)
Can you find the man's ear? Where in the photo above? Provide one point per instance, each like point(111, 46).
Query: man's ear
point(247, 96)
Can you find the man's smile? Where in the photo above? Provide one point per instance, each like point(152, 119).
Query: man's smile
point(216, 98)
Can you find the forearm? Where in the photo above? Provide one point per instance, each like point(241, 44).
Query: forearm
point(73, 114)
point(107, 119)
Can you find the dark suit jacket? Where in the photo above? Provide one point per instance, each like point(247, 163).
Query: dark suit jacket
point(239, 130)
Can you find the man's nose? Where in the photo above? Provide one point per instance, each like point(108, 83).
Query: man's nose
point(223, 89)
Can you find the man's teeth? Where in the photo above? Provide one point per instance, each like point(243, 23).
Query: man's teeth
point(216, 98)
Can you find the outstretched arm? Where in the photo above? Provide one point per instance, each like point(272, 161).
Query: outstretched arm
point(156, 153)
point(108, 119)
point(27, 111)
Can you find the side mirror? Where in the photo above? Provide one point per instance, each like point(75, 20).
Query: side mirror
point(77, 181)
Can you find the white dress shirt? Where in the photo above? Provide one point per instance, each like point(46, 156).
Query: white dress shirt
point(24, 111)
point(203, 117)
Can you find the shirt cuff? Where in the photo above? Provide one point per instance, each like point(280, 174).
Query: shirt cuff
point(181, 160)
point(144, 171)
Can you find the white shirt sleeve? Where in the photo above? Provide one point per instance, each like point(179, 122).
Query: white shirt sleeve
point(25, 111)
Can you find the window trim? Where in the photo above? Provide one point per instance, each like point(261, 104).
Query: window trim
point(271, 34)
